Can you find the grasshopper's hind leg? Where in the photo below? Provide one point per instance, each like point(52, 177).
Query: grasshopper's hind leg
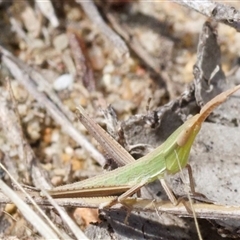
point(123, 196)
point(121, 199)
point(128, 205)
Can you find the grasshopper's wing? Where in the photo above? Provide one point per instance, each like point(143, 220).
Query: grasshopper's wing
point(89, 192)
point(110, 145)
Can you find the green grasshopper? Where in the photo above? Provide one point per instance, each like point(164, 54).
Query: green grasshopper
point(169, 158)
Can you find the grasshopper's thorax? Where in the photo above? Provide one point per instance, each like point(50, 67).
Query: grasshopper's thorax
point(176, 156)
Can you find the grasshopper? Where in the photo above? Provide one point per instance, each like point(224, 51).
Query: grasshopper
point(169, 158)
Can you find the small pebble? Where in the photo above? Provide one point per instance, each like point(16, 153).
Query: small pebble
point(85, 214)
point(47, 137)
point(59, 171)
point(47, 166)
point(22, 109)
point(69, 150)
point(63, 82)
point(55, 135)
point(65, 158)
point(109, 68)
point(76, 164)
point(60, 42)
point(96, 57)
point(10, 208)
point(34, 129)
point(56, 181)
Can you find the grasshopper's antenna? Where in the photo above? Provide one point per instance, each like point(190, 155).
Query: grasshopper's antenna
point(190, 200)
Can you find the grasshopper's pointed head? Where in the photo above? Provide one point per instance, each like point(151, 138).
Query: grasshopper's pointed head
point(179, 144)
point(194, 124)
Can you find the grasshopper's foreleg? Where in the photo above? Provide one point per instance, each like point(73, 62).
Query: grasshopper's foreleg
point(195, 195)
point(172, 197)
point(176, 201)
point(169, 192)
point(191, 181)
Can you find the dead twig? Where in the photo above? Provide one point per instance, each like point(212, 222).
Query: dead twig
point(125, 32)
point(218, 11)
point(27, 154)
point(92, 12)
point(135, 45)
point(13, 134)
point(84, 71)
point(203, 210)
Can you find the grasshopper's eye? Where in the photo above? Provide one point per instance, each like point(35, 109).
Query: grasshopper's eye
point(184, 136)
point(187, 131)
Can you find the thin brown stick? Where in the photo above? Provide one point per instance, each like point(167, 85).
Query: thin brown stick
point(84, 71)
point(92, 12)
point(135, 45)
